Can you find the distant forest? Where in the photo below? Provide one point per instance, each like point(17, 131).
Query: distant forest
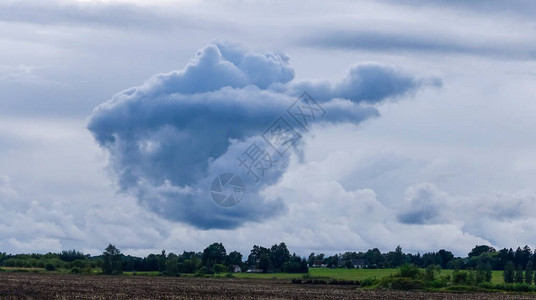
point(277, 258)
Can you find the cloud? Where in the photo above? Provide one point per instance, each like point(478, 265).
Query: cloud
point(171, 136)
point(410, 40)
point(367, 83)
point(523, 8)
point(118, 15)
point(221, 65)
point(424, 205)
point(500, 219)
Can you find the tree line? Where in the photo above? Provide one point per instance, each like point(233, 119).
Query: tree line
point(277, 258)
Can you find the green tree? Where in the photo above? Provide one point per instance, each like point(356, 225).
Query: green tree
point(172, 265)
point(488, 273)
point(213, 254)
point(311, 259)
point(111, 261)
point(234, 259)
point(529, 273)
point(399, 257)
point(483, 273)
point(255, 256)
point(430, 272)
point(162, 261)
point(508, 273)
point(480, 249)
point(264, 262)
point(519, 274)
point(218, 268)
point(445, 257)
point(279, 255)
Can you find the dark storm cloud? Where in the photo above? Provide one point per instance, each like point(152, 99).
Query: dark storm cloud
point(169, 137)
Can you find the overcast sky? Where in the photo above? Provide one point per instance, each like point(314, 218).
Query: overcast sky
point(115, 116)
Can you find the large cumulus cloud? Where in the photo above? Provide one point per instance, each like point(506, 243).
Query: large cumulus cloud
point(169, 137)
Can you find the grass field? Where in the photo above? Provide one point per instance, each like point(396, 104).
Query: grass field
point(345, 274)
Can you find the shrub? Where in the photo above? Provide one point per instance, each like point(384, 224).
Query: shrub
point(522, 287)
point(205, 271)
point(401, 283)
point(343, 282)
point(50, 267)
point(369, 282)
point(430, 272)
point(409, 271)
point(437, 283)
point(218, 268)
point(508, 274)
point(75, 270)
point(78, 264)
point(460, 277)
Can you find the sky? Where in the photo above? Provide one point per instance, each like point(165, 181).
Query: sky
point(117, 116)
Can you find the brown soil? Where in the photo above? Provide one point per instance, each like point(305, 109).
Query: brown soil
point(56, 286)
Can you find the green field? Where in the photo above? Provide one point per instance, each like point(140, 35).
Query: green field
point(344, 274)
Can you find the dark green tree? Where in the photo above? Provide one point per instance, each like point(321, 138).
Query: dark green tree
point(213, 254)
point(279, 255)
point(311, 259)
point(480, 249)
point(502, 257)
point(374, 257)
point(509, 270)
point(295, 265)
point(72, 255)
point(529, 273)
point(519, 274)
point(264, 262)
point(111, 261)
point(172, 265)
point(483, 273)
point(488, 273)
point(397, 258)
point(234, 259)
point(255, 256)
point(162, 261)
point(446, 257)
